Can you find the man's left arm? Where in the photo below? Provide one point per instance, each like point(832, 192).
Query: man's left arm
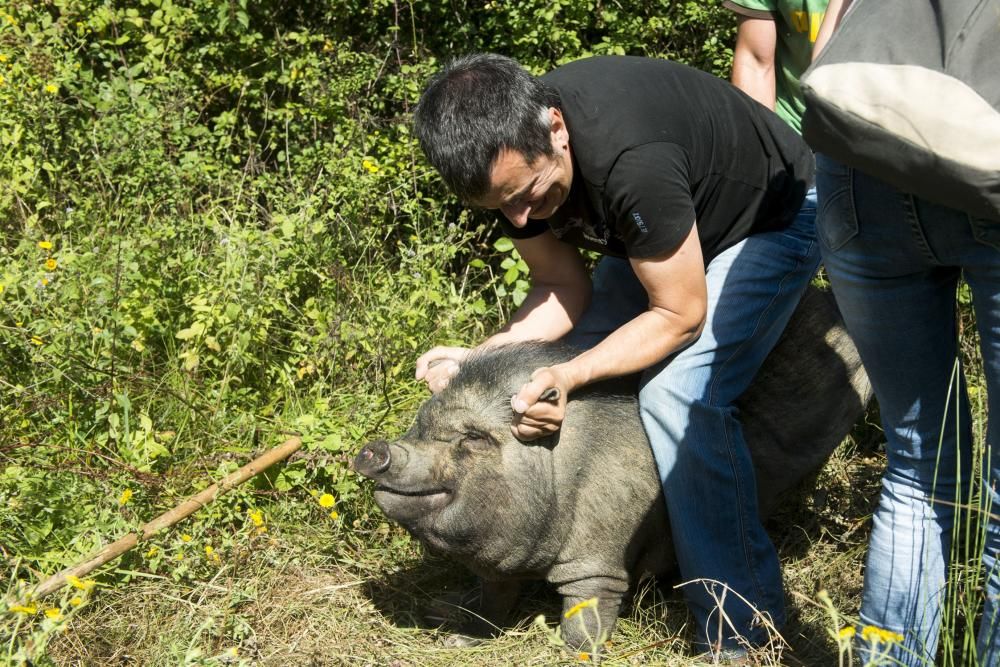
point(834, 14)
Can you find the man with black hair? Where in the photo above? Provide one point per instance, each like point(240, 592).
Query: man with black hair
point(691, 191)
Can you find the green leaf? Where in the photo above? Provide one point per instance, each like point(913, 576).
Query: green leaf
point(196, 329)
point(154, 449)
point(503, 244)
point(331, 443)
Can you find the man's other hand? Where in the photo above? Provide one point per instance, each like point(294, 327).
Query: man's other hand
point(438, 365)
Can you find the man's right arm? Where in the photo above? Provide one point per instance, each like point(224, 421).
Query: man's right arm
point(560, 291)
point(753, 59)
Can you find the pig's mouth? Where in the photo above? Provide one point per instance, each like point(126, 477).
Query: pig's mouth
point(424, 499)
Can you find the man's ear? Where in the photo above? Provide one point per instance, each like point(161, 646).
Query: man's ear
point(558, 130)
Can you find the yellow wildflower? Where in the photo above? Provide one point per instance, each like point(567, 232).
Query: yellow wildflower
point(186, 538)
point(233, 652)
point(11, 20)
point(583, 656)
point(23, 609)
point(211, 555)
point(874, 635)
point(891, 636)
point(580, 606)
point(257, 517)
point(179, 557)
point(53, 613)
point(45, 245)
point(152, 551)
point(369, 166)
point(80, 584)
point(51, 264)
point(334, 515)
point(846, 632)
point(76, 601)
point(125, 497)
point(3, 57)
point(326, 500)
point(1, 288)
point(51, 89)
point(45, 281)
point(1, 79)
point(37, 341)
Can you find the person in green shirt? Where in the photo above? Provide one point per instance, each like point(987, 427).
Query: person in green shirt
point(774, 46)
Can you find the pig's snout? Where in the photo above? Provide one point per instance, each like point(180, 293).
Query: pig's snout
point(373, 459)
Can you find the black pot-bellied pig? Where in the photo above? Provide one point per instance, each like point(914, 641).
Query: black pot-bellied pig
point(583, 509)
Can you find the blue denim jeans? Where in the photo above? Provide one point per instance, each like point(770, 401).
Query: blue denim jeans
point(686, 403)
point(895, 261)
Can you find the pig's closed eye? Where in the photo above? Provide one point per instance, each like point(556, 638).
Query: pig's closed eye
point(477, 441)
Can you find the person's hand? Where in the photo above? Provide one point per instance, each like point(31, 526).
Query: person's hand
point(539, 411)
point(438, 365)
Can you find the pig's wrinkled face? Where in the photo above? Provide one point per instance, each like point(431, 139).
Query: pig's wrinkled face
point(453, 478)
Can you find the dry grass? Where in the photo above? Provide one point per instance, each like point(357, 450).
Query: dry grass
point(304, 596)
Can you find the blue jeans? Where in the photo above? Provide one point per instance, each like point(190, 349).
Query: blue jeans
point(686, 403)
point(894, 261)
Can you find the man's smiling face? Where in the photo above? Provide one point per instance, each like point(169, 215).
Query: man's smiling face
point(535, 190)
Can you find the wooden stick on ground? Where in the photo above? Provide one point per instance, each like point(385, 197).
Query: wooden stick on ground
point(167, 519)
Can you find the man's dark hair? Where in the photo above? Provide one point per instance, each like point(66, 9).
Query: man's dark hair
point(475, 107)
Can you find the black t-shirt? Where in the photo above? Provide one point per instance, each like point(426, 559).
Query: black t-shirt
point(658, 146)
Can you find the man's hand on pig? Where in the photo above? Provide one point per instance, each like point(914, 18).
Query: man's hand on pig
point(536, 414)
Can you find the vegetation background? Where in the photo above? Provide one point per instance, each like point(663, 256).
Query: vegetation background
point(215, 230)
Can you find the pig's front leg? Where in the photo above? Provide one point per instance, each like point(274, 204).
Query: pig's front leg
point(486, 609)
point(588, 621)
point(490, 615)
